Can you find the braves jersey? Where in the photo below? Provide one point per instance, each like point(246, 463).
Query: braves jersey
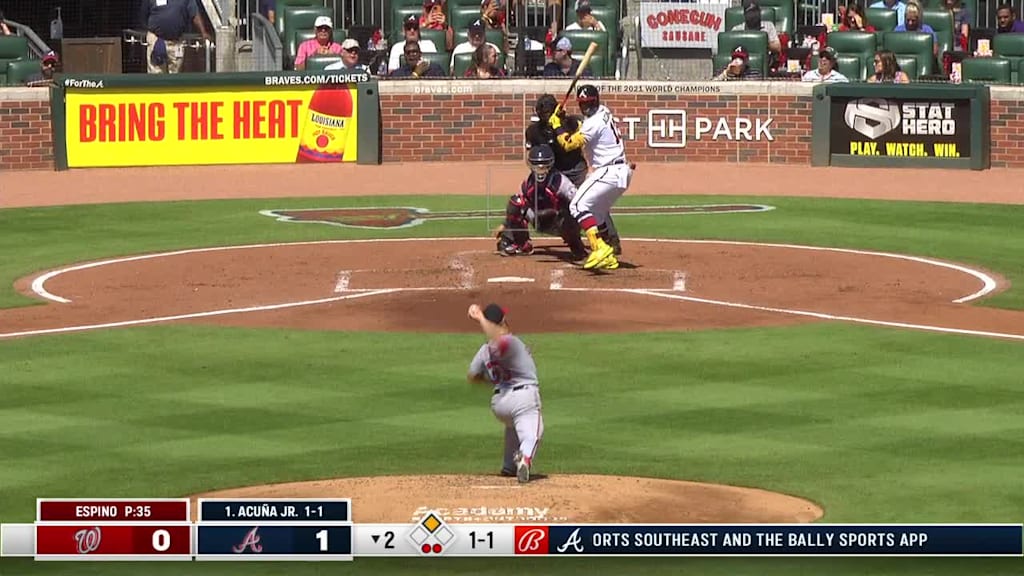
point(603, 144)
point(506, 362)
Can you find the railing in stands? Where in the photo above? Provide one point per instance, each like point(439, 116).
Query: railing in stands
point(268, 53)
point(35, 43)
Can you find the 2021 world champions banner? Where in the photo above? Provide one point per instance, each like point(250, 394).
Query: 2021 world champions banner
point(900, 127)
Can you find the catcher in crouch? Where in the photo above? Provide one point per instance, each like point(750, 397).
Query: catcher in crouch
point(543, 201)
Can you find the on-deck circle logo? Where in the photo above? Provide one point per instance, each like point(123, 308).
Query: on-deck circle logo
point(532, 540)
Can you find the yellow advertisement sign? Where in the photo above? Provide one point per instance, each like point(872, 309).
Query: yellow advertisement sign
point(157, 127)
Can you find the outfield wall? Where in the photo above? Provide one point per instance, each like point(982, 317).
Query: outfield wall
point(460, 120)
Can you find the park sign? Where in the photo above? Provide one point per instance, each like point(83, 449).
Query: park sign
point(205, 119)
point(681, 25)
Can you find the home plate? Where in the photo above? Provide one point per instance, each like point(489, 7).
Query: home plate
point(510, 279)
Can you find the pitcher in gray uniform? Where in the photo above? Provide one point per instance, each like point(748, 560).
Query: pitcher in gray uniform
point(506, 362)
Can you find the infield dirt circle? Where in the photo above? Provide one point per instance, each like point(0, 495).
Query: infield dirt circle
point(426, 285)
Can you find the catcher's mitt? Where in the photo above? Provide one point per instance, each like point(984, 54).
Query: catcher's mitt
point(548, 220)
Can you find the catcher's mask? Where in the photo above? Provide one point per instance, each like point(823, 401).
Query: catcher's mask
point(545, 107)
point(588, 99)
point(541, 160)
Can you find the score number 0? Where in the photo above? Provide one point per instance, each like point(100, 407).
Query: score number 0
point(161, 540)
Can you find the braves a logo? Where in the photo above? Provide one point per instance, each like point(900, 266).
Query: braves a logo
point(88, 539)
point(251, 541)
point(573, 540)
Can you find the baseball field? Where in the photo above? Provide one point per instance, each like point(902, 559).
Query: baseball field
point(757, 357)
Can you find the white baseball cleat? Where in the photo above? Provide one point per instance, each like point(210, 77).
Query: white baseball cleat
point(522, 469)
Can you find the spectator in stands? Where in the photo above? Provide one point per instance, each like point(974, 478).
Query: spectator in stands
point(323, 43)
point(853, 19)
point(415, 66)
point(887, 69)
point(739, 67)
point(899, 7)
point(411, 28)
point(914, 24)
point(4, 29)
point(268, 8)
point(585, 19)
point(826, 70)
point(434, 18)
point(563, 64)
point(1006, 20)
point(752, 21)
point(961, 24)
point(349, 58)
point(166, 21)
point(49, 66)
point(477, 38)
point(485, 63)
point(492, 12)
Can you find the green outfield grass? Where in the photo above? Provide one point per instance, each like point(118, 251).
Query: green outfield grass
point(876, 425)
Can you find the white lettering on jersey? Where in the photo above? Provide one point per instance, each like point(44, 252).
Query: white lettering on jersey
point(603, 144)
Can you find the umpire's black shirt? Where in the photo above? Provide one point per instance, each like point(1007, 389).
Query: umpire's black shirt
point(571, 163)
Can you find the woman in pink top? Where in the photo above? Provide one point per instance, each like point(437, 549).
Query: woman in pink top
point(323, 43)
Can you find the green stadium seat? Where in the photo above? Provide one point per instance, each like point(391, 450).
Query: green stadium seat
point(995, 69)
point(734, 16)
point(919, 45)
point(581, 39)
point(942, 22)
point(462, 16)
point(850, 65)
point(436, 36)
point(785, 15)
point(13, 48)
point(19, 71)
point(908, 65)
point(1010, 46)
point(883, 19)
point(321, 61)
point(1020, 72)
point(863, 45)
point(462, 63)
point(280, 17)
point(754, 41)
point(609, 17)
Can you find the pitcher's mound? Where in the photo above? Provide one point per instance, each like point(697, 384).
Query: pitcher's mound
point(558, 498)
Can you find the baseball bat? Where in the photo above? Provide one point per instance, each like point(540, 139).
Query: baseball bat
point(579, 72)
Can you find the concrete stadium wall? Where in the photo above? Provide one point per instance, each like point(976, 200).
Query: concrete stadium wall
point(760, 122)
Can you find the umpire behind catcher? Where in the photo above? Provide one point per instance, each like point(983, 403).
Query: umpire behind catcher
point(570, 163)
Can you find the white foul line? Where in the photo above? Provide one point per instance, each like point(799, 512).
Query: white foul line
point(823, 316)
point(349, 296)
point(556, 279)
point(679, 282)
point(342, 284)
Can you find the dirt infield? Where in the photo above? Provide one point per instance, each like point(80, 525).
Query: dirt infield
point(560, 498)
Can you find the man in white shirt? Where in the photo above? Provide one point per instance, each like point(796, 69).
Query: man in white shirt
point(826, 70)
point(585, 19)
point(349, 58)
point(752, 21)
point(411, 28)
point(476, 35)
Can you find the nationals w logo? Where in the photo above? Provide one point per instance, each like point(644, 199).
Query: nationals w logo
point(88, 539)
point(251, 541)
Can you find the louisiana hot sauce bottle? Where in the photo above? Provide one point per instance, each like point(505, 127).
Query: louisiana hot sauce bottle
point(328, 121)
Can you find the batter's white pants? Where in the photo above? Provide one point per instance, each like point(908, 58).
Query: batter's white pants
point(599, 192)
point(520, 412)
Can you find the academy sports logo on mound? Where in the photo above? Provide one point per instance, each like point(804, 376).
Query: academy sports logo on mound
point(488, 514)
point(402, 217)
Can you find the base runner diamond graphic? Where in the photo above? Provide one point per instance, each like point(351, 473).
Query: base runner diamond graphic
point(431, 535)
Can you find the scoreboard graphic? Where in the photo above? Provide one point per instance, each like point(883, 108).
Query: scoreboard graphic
point(323, 530)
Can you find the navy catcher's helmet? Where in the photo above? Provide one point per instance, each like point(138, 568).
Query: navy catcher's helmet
point(588, 99)
point(541, 160)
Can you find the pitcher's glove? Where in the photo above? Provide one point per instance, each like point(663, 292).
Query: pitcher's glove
point(548, 221)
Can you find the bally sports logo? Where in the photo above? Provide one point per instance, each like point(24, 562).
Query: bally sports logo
point(532, 539)
point(876, 117)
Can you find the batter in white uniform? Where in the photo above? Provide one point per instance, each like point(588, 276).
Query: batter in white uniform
point(505, 361)
point(609, 177)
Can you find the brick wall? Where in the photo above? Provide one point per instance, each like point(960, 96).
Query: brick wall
point(446, 123)
point(25, 138)
point(431, 127)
